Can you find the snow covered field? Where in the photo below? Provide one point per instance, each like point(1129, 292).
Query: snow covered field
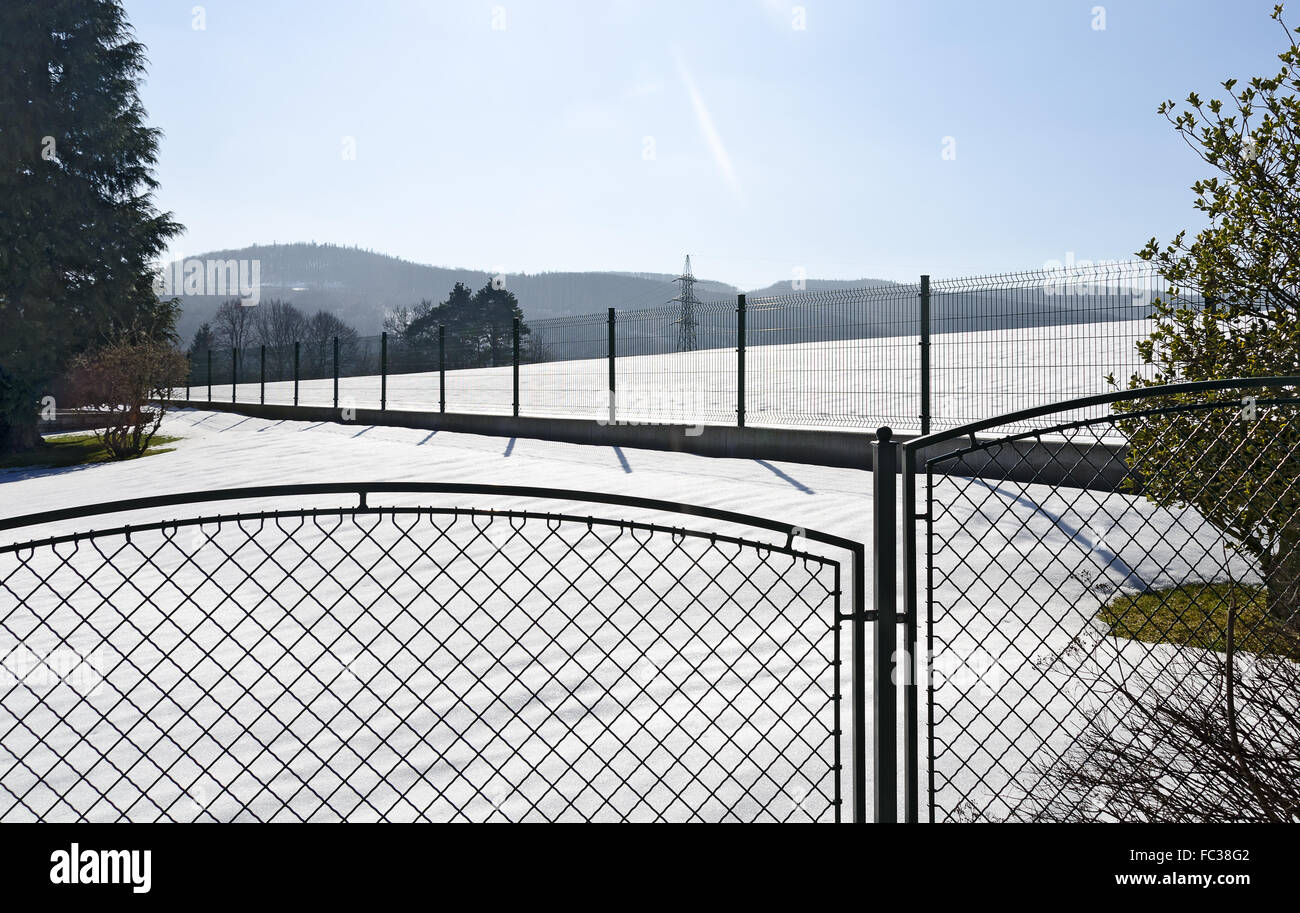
point(847, 383)
point(582, 708)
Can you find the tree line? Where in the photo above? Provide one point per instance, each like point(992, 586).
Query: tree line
point(277, 324)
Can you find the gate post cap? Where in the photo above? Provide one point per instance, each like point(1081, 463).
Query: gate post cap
point(884, 433)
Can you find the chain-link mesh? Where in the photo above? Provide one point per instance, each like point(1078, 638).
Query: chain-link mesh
point(417, 664)
point(1084, 597)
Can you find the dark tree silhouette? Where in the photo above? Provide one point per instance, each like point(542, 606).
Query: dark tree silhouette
point(79, 234)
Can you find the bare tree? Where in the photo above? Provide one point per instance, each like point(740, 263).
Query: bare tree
point(233, 324)
point(318, 343)
point(279, 326)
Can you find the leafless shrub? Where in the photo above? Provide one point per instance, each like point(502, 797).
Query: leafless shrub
point(1206, 737)
point(129, 383)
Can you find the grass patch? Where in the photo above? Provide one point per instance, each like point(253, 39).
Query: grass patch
point(1197, 616)
point(76, 450)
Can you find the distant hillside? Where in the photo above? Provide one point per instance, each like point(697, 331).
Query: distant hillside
point(361, 286)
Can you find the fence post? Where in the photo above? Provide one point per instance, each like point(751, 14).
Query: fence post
point(383, 371)
point(911, 700)
point(740, 361)
point(262, 395)
point(234, 374)
point(209, 375)
point(884, 462)
point(295, 372)
point(612, 398)
point(515, 341)
point(925, 355)
point(442, 368)
point(336, 372)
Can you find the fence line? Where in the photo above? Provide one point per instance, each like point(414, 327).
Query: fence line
point(918, 357)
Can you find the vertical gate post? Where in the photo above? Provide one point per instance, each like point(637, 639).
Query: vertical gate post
point(383, 371)
point(234, 374)
point(336, 372)
point(925, 355)
point(209, 375)
point(859, 672)
point(261, 396)
point(885, 696)
point(740, 361)
point(612, 397)
point(911, 711)
point(515, 356)
point(296, 349)
point(442, 368)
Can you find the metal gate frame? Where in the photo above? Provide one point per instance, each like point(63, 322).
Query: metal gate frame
point(919, 455)
point(856, 616)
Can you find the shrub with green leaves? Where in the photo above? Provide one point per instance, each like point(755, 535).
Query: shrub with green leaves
point(1232, 309)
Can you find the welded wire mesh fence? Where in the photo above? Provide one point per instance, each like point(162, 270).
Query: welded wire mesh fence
point(418, 663)
point(834, 358)
point(1004, 343)
point(1112, 631)
point(676, 365)
point(564, 370)
point(918, 357)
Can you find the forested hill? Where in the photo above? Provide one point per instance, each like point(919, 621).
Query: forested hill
point(361, 286)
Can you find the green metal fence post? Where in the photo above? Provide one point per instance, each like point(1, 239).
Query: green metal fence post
point(515, 358)
point(296, 349)
point(925, 355)
point(613, 399)
point(383, 371)
point(740, 361)
point(262, 394)
point(234, 374)
point(209, 375)
point(442, 368)
point(336, 372)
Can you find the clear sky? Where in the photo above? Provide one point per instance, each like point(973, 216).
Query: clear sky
point(533, 135)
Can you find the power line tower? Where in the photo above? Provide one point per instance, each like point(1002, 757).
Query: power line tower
point(686, 322)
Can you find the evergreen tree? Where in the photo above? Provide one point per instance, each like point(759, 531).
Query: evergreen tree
point(478, 326)
point(79, 233)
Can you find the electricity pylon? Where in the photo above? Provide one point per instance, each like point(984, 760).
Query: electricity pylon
point(686, 322)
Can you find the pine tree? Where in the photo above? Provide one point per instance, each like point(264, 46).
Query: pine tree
point(79, 233)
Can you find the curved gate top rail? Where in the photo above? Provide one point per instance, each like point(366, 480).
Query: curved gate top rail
point(364, 489)
point(1101, 399)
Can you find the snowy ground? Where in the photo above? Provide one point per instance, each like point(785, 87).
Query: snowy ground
point(1065, 563)
point(860, 383)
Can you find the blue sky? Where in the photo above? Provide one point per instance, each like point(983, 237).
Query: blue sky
point(533, 135)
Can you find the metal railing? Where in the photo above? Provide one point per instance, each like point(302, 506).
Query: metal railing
point(918, 357)
point(428, 662)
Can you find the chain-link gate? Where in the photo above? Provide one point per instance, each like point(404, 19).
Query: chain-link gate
point(426, 663)
point(1109, 609)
